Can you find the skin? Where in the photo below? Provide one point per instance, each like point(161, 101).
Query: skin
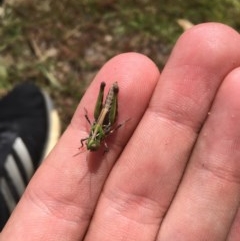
point(173, 170)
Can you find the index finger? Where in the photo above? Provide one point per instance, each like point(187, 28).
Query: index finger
point(60, 199)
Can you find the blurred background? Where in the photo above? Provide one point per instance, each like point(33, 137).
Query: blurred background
point(60, 45)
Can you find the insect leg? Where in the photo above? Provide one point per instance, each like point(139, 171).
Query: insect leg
point(119, 125)
point(112, 102)
point(86, 116)
point(106, 149)
point(82, 140)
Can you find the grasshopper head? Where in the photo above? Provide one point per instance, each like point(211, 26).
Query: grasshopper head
point(93, 145)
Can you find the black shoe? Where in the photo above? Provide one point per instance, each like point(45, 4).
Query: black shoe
point(28, 130)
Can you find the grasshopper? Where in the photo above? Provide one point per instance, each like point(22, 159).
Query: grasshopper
point(105, 116)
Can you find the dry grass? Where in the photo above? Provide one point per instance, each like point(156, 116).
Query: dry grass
point(60, 45)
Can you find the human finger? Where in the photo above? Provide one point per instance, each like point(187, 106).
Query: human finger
point(208, 197)
point(60, 199)
point(144, 181)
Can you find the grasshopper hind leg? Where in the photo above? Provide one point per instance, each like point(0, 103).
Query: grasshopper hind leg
point(119, 126)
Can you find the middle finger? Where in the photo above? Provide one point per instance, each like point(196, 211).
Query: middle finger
point(142, 184)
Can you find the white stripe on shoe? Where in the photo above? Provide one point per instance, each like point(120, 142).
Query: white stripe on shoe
point(7, 194)
point(24, 156)
point(15, 175)
point(12, 183)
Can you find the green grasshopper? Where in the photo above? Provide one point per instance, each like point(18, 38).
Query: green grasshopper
point(105, 116)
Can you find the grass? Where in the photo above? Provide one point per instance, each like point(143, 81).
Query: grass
point(60, 45)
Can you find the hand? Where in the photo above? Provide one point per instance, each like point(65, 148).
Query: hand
point(172, 172)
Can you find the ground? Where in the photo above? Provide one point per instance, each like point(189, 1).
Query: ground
point(60, 45)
